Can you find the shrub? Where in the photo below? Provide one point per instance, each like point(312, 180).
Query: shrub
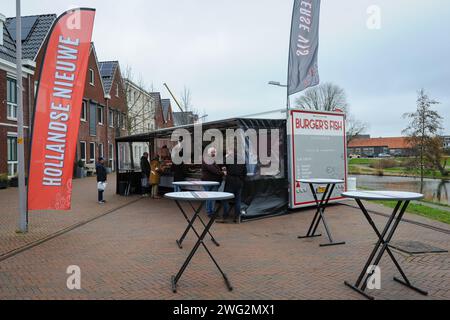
point(384, 164)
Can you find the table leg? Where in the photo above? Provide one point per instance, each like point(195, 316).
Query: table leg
point(384, 239)
point(199, 242)
point(191, 223)
point(316, 219)
point(320, 215)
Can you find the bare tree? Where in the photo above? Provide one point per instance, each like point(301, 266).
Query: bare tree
point(186, 99)
point(141, 105)
point(422, 131)
point(354, 127)
point(325, 97)
point(331, 97)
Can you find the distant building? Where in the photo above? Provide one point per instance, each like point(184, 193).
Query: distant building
point(446, 142)
point(141, 108)
point(372, 147)
point(184, 118)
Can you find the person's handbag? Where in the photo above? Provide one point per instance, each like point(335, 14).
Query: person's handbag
point(101, 186)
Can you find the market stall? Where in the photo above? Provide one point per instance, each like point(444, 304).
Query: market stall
point(297, 150)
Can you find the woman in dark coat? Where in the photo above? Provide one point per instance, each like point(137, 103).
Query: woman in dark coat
point(102, 176)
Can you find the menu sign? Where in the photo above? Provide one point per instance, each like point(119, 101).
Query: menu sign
point(317, 150)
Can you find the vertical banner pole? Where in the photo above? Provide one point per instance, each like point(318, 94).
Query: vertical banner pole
point(23, 222)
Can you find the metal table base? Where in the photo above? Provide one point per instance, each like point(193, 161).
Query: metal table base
point(384, 239)
point(320, 216)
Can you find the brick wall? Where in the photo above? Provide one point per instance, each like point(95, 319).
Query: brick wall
point(8, 126)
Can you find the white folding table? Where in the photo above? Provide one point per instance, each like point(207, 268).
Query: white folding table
point(201, 197)
point(403, 199)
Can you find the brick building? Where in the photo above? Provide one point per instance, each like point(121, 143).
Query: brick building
point(34, 33)
point(104, 107)
point(372, 147)
point(103, 114)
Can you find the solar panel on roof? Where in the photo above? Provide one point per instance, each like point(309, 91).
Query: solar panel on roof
point(27, 25)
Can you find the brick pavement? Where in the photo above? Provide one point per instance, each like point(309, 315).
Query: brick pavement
point(44, 224)
point(131, 254)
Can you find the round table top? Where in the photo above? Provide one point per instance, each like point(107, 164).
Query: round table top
point(321, 181)
point(196, 183)
point(199, 196)
point(383, 195)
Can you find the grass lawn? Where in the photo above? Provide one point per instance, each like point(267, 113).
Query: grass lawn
point(422, 210)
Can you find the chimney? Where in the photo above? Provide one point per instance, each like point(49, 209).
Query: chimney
point(2, 25)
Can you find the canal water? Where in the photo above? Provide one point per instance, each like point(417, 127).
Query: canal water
point(433, 189)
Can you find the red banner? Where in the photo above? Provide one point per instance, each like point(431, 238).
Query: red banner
point(58, 111)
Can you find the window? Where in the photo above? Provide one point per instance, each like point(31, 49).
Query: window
point(36, 86)
point(92, 119)
point(91, 77)
point(92, 152)
point(83, 151)
point(84, 111)
point(11, 87)
point(117, 90)
point(101, 150)
point(123, 121)
point(12, 155)
point(100, 114)
point(111, 156)
point(111, 118)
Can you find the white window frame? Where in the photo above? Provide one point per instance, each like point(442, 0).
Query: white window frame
point(12, 165)
point(11, 107)
point(111, 118)
point(111, 154)
point(84, 108)
point(100, 119)
point(85, 151)
point(92, 159)
point(91, 77)
point(101, 150)
point(117, 90)
point(123, 126)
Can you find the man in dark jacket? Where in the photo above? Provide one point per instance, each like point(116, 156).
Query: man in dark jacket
point(212, 172)
point(101, 177)
point(179, 172)
point(145, 169)
point(234, 183)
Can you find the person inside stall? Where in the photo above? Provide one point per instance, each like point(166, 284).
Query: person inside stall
point(179, 172)
point(235, 175)
point(211, 172)
point(145, 169)
point(155, 177)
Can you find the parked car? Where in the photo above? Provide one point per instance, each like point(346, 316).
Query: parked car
point(384, 155)
point(354, 156)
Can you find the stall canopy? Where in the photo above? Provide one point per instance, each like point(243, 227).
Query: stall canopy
point(265, 191)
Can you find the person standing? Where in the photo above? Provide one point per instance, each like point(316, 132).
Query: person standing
point(145, 169)
point(155, 177)
point(179, 172)
point(102, 177)
point(211, 172)
point(234, 183)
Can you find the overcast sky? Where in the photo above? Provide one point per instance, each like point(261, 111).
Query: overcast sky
point(227, 51)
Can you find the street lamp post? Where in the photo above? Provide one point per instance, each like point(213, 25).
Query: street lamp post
point(277, 84)
point(288, 103)
point(23, 221)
